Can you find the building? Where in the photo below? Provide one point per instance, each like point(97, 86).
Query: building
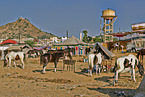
point(109, 18)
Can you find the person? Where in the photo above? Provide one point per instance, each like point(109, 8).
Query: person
point(122, 48)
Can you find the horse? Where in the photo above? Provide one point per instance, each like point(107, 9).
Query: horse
point(66, 51)
point(141, 53)
point(14, 56)
point(53, 56)
point(125, 64)
point(94, 60)
point(87, 50)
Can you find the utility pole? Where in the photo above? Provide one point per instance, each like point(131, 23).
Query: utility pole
point(101, 30)
point(67, 34)
point(19, 37)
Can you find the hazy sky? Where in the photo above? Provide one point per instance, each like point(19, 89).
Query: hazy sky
point(58, 16)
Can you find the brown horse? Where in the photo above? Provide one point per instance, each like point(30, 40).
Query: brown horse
point(141, 53)
point(53, 56)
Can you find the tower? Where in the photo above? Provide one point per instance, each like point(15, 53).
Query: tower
point(109, 18)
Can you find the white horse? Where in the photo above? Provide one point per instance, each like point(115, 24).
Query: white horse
point(125, 64)
point(94, 60)
point(14, 56)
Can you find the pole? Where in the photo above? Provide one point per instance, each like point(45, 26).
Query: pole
point(101, 30)
point(67, 33)
point(19, 37)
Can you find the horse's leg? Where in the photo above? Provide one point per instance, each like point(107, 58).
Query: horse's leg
point(90, 71)
point(9, 62)
point(114, 77)
point(22, 63)
point(133, 72)
point(96, 69)
point(142, 59)
point(117, 73)
point(15, 64)
point(44, 67)
point(55, 65)
point(99, 70)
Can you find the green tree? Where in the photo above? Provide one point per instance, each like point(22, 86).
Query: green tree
point(97, 39)
point(30, 42)
point(89, 38)
point(85, 36)
point(115, 39)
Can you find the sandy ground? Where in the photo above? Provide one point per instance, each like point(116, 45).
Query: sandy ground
point(16, 82)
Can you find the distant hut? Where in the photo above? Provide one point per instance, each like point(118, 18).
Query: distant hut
point(73, 42)
point(7, 48)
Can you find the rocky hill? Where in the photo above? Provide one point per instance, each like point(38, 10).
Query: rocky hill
point(23, 28)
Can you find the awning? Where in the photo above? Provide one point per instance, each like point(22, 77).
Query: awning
point(118, 34)
point(9, 41)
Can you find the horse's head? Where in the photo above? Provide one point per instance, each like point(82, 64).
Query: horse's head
point(141, 68)
point(67, 53)
point(126, 62)
point(5, 62)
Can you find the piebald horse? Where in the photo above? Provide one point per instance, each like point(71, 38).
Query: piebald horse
point(125, 64)
point(94, 59)
point(12, 56)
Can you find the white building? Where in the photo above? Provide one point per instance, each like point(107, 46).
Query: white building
point(63, 39)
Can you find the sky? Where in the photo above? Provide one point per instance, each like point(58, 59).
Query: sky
point(59, 16)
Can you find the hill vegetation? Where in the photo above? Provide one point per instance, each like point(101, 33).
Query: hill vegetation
point(23, 28)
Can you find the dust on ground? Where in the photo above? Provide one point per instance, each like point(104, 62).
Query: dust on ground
point(18, 82)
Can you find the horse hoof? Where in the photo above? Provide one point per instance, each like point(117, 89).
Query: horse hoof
point(113, 83)
point(43, 72)
point(89, 76)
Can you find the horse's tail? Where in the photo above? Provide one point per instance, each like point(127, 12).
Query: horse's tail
point(24, 57)
point(140, 68)
point(138, 55)
point(5, 60)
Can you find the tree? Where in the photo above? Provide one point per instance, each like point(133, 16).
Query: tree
point(115, 39)
point(30, 42)
point(85, 36)
point(97, 39)
point(89, 38)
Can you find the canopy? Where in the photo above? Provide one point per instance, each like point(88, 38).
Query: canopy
point(71, 41)
point(106, 53)
point(9, 41)
point(40, 48)
point(121, 34)
point(118, 34)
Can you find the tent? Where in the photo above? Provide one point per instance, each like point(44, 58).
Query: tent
point(9, 41)
point(73, 42)
point(106, 53)
point(40, 48)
